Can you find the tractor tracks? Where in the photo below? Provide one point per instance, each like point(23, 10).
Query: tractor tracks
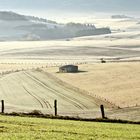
point(67, 98)
point(40, 100)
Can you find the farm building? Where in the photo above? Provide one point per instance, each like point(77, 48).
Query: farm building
point(102, 60)
point(68, 69)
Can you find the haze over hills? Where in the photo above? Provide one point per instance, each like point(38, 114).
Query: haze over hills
point(73, 5)
point(121, 17)
point(65, 10)
point(23, 27)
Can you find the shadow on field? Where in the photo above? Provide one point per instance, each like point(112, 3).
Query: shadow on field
point(79, 71)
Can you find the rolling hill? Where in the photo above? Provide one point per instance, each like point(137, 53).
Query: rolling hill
point(14, 26)
point(36, 90)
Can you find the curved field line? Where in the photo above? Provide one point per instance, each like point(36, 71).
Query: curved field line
point(82, 92)
point(68, 99)
point(53, 91)
point(47, 104)
point(78, 102)
point(68, 89)
point(40, 99)
point(33, 97)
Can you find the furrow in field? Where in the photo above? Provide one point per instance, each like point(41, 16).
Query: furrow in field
point(40, 99)
point(76, 95)
point(34, 97)
point(79, 96)
point(56, 92)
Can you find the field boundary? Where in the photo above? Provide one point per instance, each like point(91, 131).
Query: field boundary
point(39, 115)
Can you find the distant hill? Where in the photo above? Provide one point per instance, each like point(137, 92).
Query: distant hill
point(14, 26)
point(8, 16)
point(120, 17)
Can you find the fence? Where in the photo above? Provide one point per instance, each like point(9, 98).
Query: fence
point(130, 114)
point(56, 108)
point(35, 66)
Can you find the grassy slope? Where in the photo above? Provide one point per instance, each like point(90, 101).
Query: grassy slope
point(34, 128)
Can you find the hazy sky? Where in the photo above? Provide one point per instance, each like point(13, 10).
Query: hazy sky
point(61, 8)
point(97, 5)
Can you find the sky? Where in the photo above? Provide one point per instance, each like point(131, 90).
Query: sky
point(66, 8)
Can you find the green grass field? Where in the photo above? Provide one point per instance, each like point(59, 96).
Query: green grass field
point(24, 128)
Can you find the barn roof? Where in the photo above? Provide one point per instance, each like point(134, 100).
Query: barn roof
point(66, 66)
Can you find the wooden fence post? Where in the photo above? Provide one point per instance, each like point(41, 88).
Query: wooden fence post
point(55, 107)
point(102, 111)
point(2, 106)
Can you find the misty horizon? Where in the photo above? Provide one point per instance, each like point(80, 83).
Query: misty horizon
point(66, 11)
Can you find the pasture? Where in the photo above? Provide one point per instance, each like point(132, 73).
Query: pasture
point(24, 128)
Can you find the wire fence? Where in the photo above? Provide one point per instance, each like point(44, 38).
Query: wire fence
point(34, 66)
point(132, 114)
point(66, 110)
